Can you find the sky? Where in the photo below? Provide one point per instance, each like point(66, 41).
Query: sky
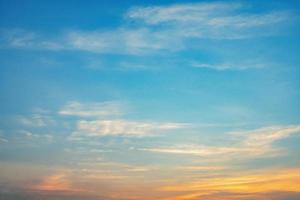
point(152, 100)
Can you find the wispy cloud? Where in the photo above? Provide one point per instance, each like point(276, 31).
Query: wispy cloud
point(35, 120)
point(158, 28)
point(252, 182)
point(17, 38)
point(25, 136)
point(209, 20)
point(24, 39)
point(109, 166)
point(264, 137)
point(124, 127)
point(2, 139)
point(202, 168)
point(125, 41)
point(168, 27)
point(257, 142)
point(56, 182)
point(228, 66)
point(103, 119)
point(100, 109)
point(59, 181)
point(195, 150)
point(179, 12)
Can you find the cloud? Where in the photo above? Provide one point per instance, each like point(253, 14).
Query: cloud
point(17, 38)
point(202, 168)
point(209, 20)
point(35, 120)
point(99, 119)
point(264, 137)
point(34, 137)
point(254, 183)
point(249, 196)
point(123, 41)
point(102, 109)
point(2, 139)
point(257, 142)
point(197, 150)
point(24, 39)
point(58, 182)
point(166, 28)
point(227, 66)
point(179, 12)
point(55, 182)
point(123, 127)
point(152, 29)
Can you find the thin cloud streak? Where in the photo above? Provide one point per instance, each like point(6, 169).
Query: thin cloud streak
point(158, 28)
point(251, 182)
point(35, 120)
point(257, 142)
point(228, 66)
point(55, 182)
point(124, 127)
point(100, 109)
point(3, 140)
point(209, 20)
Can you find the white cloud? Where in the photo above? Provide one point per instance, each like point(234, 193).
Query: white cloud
point(25, 136)
point(23, 39)
point(159, 28)
point(102, 118)
point(209, 20)
point(100, 109)
point(264, 137)
point(168, 27)
point(35, 120)
point(202, 168)
point(195, 150)
point(2, 139)
point(123, 127)
point(225, 66)
point(124, 40)
point(17, 38)
point(179, 12)
point(257, 142)
point(93, 41)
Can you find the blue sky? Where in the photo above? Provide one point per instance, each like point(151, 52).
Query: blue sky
point(180, 98)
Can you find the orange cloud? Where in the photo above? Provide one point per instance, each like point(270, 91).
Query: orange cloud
point(56, 182)
point(285, 180)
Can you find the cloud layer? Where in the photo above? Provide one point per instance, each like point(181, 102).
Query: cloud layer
point(159, 28)
point(102, 109)
point(124, 127)
point(257, 142)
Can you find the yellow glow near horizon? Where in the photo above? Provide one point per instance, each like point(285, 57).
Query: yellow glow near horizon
point(287, 180)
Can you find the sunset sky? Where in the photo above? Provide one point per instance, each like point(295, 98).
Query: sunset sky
point(149, 100)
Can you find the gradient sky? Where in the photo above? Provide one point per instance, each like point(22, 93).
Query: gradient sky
point(151, 100)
